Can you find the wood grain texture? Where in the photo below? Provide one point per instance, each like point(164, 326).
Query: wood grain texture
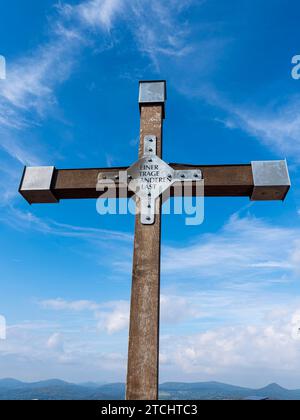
point(219, 181)
point(143, 351)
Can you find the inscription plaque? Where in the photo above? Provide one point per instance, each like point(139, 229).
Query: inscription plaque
point(150, 177)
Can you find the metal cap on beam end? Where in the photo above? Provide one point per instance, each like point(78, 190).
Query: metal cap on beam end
point(271, 180)
point(153, 92)
point(36, 184)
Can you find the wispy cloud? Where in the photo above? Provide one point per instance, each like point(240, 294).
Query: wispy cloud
point(244, 247)
point(150, 23)
point(56, 342)
point(62, 305)
point(28, 95)
point(234, 353)
point(27, 220)
point(29, 89)
point(277, 126)
point(112, 316)
point(59, 351)
point(95, 13)
point(155, 31)
point(32, 79)
point(236, 325)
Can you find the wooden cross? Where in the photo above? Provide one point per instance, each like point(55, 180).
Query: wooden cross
point(268, 180)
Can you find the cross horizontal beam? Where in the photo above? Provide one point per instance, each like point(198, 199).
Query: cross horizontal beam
point(219, 181)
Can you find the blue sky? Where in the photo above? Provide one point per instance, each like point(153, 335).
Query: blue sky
point(230, 287)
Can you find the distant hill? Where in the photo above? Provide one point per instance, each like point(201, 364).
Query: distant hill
point(9, 383)
point(202, 391)
point(55, 389)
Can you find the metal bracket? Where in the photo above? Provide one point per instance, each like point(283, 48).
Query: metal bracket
point(36, 184)
point(148, 178)
point(271, 180)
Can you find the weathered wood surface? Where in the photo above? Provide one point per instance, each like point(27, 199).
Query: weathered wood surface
point(143, 352)
point(219, 181)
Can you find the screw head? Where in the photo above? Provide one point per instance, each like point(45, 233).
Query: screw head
point(196, 176)
point(182, 176)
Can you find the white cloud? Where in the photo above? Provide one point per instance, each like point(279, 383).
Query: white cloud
point(278, 128)
point(26, 220)
point(32, 79)
point(113, 316)
point(174, 310)
point(158, 30)
point(110, 160)
point(28, 94)
point(151, 23)
point(40, 350)
point(97, 13)
point(56, 342)
point(252, 264)
point(246, 352)
point(233, 352)
point(177, 309)
point(275, 125)
point(243, 247)
point(61, 304)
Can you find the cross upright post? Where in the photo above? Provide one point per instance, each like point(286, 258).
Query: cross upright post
point(143, 351)
point(259, 180)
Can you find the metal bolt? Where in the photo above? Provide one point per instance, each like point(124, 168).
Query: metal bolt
point(196, 176)
point(150, 150)
point(182, 176)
